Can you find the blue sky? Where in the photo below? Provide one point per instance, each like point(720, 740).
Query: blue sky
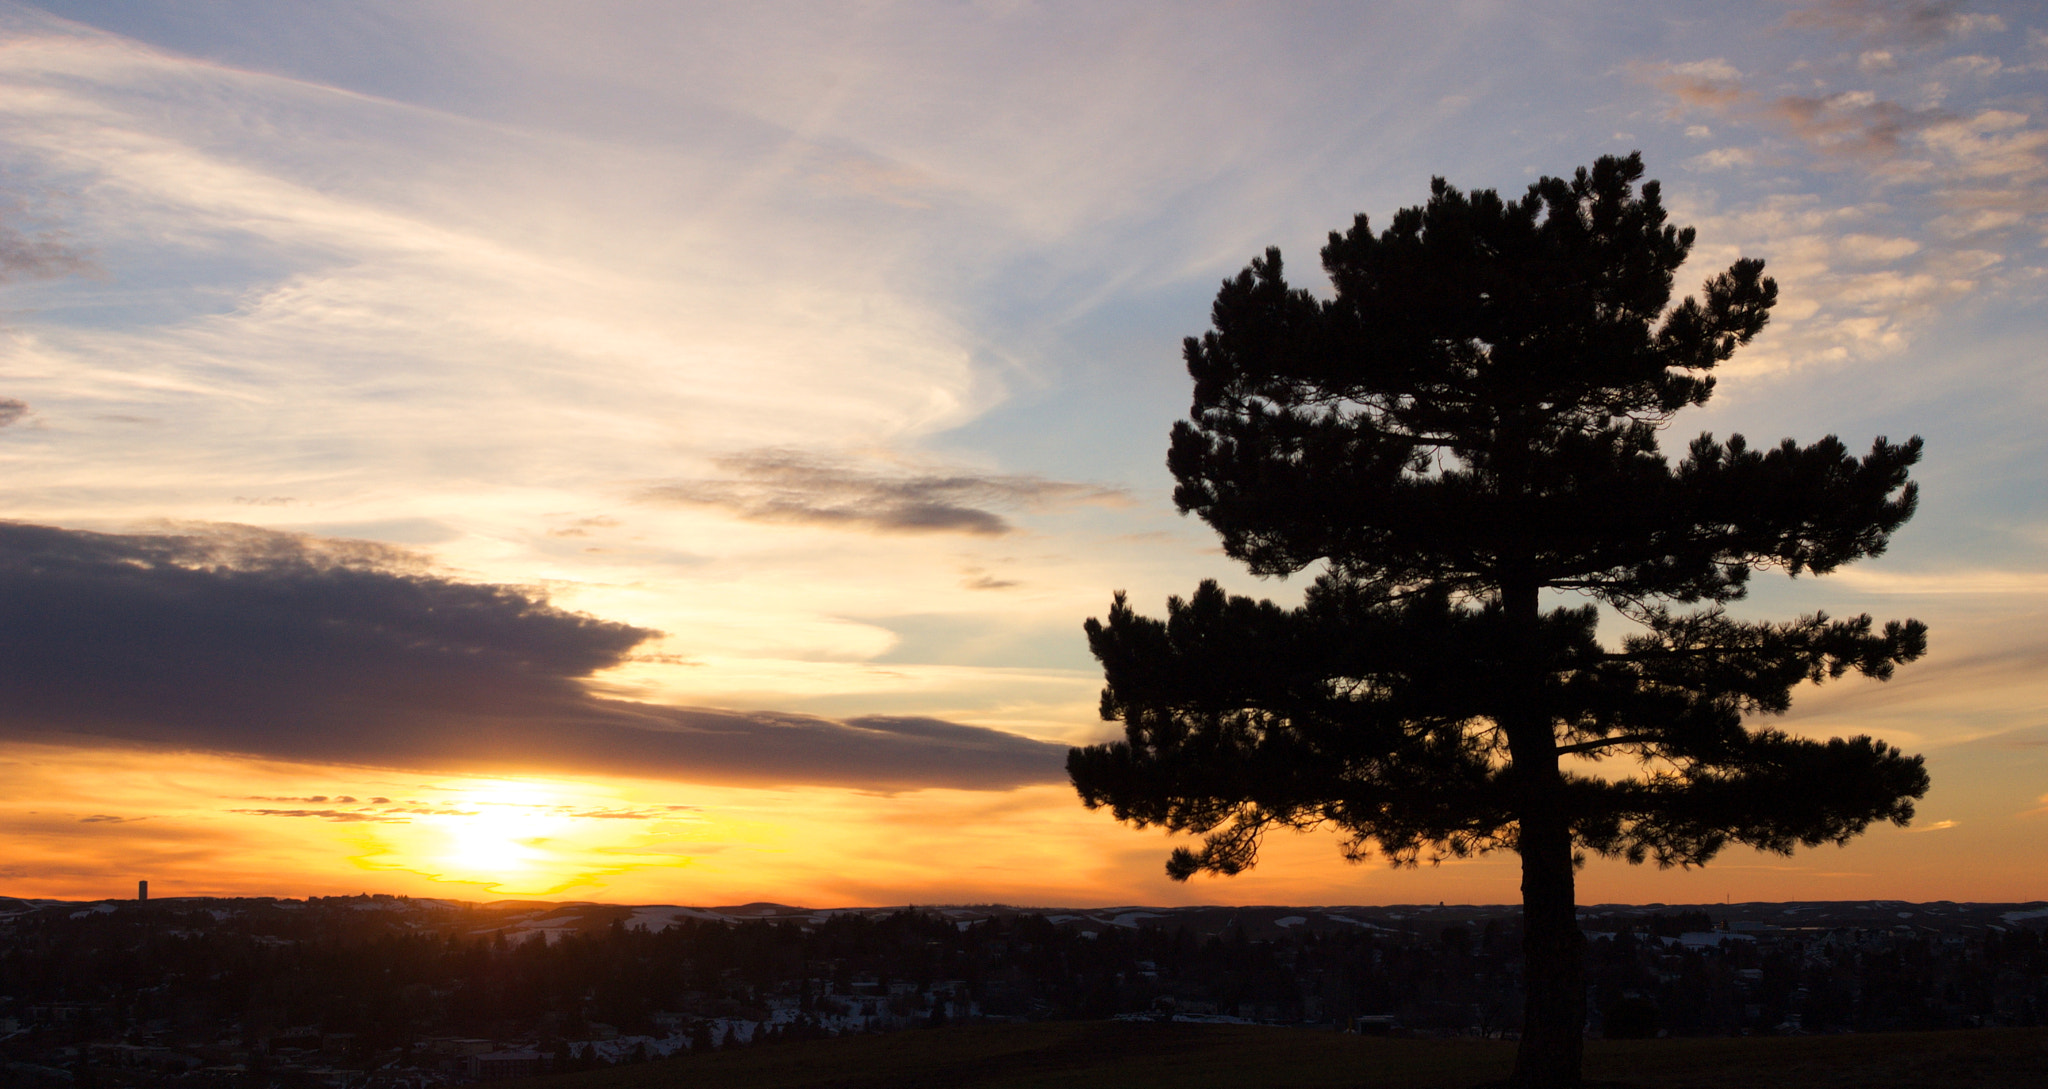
point(839, 343)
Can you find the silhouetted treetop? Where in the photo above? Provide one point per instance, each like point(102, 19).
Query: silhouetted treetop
point(1485, 365)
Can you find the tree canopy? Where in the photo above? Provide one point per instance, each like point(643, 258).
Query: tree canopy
point(1470, 420)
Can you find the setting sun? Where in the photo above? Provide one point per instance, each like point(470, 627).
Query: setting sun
point(501, 833)
point(525, 837)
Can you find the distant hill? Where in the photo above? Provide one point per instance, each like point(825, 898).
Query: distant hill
point(519, 918)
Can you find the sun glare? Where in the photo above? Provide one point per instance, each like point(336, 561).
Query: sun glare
point(518, 837)
point(501, 832)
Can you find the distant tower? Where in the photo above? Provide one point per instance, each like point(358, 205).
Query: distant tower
point(142, 892)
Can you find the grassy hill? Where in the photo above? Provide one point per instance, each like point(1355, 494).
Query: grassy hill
point(1113, 1055)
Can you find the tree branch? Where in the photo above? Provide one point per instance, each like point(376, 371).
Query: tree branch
point(1590, 746)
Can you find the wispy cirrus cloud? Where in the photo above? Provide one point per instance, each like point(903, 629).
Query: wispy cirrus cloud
point(792, 486)
point(343, 799)
point(343, 816)
point(351, 255)
point(32, 255)
point(1958, 582)
point(386, 811)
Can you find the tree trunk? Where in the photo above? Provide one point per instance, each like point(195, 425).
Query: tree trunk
point(1554, 976)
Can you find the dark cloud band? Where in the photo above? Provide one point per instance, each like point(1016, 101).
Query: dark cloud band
point(796, 487)
point(231, 639)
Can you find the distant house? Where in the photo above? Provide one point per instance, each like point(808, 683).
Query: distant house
point(1374, 1024)
point(456, 1045)
point(503, 1065)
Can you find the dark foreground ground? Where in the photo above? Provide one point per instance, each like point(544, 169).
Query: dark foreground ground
point(1122, 1055)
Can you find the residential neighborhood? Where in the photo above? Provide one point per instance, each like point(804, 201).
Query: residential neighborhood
point(379, 992)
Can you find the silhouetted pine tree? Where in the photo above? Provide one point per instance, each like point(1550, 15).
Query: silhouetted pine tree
point(1470, 421)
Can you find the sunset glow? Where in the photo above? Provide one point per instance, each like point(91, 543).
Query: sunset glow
point(666, 453)
point(497, 834)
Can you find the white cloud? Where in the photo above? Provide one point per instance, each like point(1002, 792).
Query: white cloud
point(1716, 69)
point(1972, 64)
point(1874, 248)
point(1722, 158)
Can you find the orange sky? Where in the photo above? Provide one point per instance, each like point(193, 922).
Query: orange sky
point(665, 453)
point(212, 825)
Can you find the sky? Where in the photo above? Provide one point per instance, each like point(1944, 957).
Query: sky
point(666, 453)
